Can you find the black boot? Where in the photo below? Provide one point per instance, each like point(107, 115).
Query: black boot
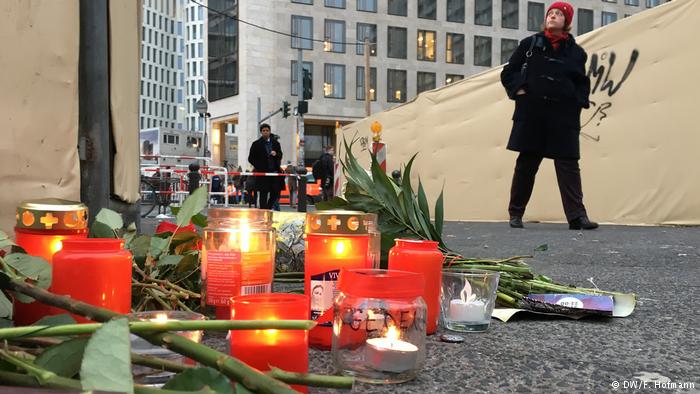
point(516, 222)
point(582, 223)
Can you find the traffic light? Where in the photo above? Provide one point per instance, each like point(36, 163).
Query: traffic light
point(308, 90)
point(285, 109)
point(303, 107)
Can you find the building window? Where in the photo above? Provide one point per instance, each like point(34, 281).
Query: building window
point(535, 16)
point(398, 7)
point(360, 83)
point(303, 1)
point(450, 78)
point(607, 18)
point(610, 1)
point(222, 51)
point(171, 139)
point(425, 81)
point(397, 41)
point(482, 51)
point(334, 81)
point(455, 48)
point(200, 49)
point(632, 2)
point(426, 45)
point(308, 66)
point(427, 9)
point(302, 32)
point(510, 14)
point(367, 5)
point(507, 49)
point(367, 31)
point(335, 3)
point(334, 35)
point(585, 21)
point(396, 86)
point(483, 12)
point(653, 3)
point(455, 11)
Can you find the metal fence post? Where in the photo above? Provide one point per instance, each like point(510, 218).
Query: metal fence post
point(193, 177)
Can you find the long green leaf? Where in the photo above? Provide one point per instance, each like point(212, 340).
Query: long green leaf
point(55, 320)
point(106, 364)
point(334, 203)
point(384, 187)
point(439, 214)
point(192, 205)
point(65, 358)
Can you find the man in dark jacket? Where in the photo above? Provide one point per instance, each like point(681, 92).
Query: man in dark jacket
point(546, 77)
point(265, 156)
point(327, 165)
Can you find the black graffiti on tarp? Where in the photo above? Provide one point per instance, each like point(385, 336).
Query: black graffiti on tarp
point(602, 78)
point(599, 74)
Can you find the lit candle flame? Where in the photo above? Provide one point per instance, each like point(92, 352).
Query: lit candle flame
point(339, 248)
point(56, 246)
point(466, 294)
point(392, 333)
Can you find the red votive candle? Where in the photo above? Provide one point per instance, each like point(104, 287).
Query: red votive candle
point(425, 258)
point(96, 271)
point(42, 226)
point(263, 349)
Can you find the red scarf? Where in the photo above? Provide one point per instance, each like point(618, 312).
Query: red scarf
point(556, 39)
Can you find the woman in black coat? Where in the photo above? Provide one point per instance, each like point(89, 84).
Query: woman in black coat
point(546, 77)
point(266, 156)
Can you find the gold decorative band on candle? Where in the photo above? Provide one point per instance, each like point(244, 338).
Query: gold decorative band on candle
point(52, 214)
point(335, 222)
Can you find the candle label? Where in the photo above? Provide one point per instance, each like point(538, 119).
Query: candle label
point(323, 291)
point(223, 276)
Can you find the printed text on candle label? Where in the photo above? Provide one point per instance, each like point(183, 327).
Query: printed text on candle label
point(379, 319)
point(223, 276)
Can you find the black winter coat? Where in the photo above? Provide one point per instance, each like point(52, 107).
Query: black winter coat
point(547, 118)
point(264, 162)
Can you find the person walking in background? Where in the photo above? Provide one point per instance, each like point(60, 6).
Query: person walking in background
point(291, 171)
point(327, 165)
point(546, 77)
point(266, 156)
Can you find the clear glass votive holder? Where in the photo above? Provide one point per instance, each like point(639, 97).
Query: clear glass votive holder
point(467, 299)
point(150, 376)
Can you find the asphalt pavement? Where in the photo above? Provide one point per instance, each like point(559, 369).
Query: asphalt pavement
point(657, 344)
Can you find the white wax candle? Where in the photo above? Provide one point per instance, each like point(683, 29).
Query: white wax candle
point(474, 311)
point(391, 355)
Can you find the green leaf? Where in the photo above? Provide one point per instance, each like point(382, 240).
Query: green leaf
point(188, 263)
point(5, 306)
point(195, 379)
point(335, 203)
point(542, 248)
point(65, 358)
point(110, 218)
point(200, 220)
point(439, 214)
point(241, 389)
point(157, 246)
point(55, 320)
point(139, 246)
point(363, 202)
point(423, 201)
point(106, 364)
point(192, 205)
point(171, 259)
point(32, 267)
point(5, 241)
point(101, 230)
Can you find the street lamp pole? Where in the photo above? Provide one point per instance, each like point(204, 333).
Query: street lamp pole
point(202, 107)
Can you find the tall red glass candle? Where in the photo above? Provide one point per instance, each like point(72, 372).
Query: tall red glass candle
point(334, 240)
point(42, 226)
point(96, 271)
point(263, 349)
point(422, 257)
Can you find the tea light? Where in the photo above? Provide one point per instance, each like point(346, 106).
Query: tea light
point(468, 308)
point(391, 354)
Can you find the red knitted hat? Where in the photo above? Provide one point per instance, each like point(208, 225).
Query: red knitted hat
point(566, 9)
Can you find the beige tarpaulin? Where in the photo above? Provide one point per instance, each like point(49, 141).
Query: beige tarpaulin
point(639, 140)
point(125, 41)
point(38, 103)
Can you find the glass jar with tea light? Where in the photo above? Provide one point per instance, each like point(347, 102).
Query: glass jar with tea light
point(334, 240)
point(238, 255)
point(42, 226)
point(379, 326)
point(150, 376)
point(467, 299)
